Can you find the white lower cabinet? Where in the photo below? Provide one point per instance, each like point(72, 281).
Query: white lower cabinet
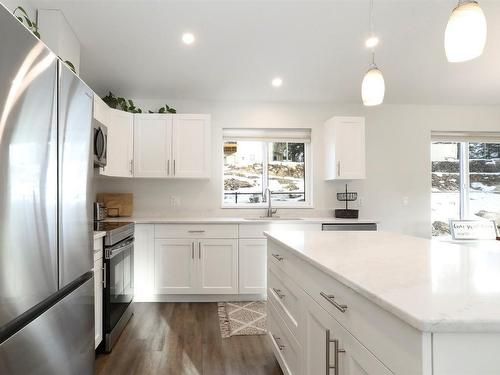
point(252, 266)
point(218, 266)
point(175, 266)
point(191, 266)
point(330, 349)
point(98, 286)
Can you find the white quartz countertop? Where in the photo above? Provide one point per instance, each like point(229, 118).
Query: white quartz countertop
point(433, 286)
point(99, 234)
point(237, 220)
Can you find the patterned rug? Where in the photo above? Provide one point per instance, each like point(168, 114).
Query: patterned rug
point(242, 318)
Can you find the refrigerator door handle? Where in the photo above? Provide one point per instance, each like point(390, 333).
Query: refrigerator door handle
point(104, 276)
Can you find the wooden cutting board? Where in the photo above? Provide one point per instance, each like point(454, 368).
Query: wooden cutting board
point(117, 204)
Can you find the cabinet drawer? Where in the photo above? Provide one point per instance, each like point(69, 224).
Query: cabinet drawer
point(198, 231)
point(286, 297)
point(257, 230)
point(284, 346)
point(371, 325)
point(283, 259)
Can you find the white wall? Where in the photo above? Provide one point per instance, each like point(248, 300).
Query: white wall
point(398, 159)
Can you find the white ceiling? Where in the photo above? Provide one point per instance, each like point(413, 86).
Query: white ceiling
point(134, 48)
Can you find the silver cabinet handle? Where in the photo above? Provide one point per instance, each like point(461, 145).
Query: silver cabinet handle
point(336, 352)
point(278, 257)
point(278, 293)
point(331, 299)
point(338, 168)
point(131, 167)
point(174, 167)
point(199, 250)
point(104, 280)
point(276, 340)
point(192, 250)
point(168, 167)
point(196, 231)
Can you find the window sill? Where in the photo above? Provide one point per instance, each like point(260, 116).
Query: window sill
point(264, 206)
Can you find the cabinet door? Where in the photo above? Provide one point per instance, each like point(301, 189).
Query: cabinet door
point(120, 144)
point(152, 147)
point(218, 266)
point(175, 267)
point(144, 253)
point(191, 139)
point(98, 285)
point(350, 148)
point(345, 148)
point(328, 345)
point(101, 110)
point(252, 266)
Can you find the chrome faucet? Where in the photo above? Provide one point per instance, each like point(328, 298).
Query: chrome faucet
point(267, 198)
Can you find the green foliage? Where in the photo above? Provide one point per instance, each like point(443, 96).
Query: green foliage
point(25, 20)
point(128, 105)
point(70, 65)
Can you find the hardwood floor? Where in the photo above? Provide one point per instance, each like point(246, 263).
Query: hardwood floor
point(184, 339)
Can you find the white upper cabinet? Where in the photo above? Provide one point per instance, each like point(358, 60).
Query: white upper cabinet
point(120, 152)
point(191, 140)
point(101, 110)
point(152, 145)
point(345, 154)
point(173, 146)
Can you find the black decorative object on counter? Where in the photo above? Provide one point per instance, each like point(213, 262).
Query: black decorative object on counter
point(346, 213)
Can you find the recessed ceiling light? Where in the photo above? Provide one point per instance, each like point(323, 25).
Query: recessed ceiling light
point(371, 42)
point(188, 38)
point(277, 82)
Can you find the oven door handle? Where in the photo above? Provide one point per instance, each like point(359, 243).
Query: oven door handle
point(111, 253)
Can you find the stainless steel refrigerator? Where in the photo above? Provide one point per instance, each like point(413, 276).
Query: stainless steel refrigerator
point(46, 283)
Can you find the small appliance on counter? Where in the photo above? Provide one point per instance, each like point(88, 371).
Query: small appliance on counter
point(346, 213)
point(99, 211)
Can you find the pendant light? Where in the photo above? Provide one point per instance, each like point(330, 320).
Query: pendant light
point(465, 35)
point(373, 85)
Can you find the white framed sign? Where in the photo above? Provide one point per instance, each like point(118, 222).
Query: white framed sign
point(473, 229)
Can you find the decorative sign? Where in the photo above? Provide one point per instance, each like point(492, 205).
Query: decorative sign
point(473, 229)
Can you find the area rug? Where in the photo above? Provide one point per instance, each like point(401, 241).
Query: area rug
point(242, 318)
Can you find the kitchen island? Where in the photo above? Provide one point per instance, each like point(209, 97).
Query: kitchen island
point(382, 303)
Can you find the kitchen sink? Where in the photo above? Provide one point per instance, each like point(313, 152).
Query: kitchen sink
point(274, 218)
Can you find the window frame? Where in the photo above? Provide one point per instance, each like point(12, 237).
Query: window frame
point(463, 141)
point(308, 179)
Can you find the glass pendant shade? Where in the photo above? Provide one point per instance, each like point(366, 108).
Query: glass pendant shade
point(373, 87)
point(465, 35)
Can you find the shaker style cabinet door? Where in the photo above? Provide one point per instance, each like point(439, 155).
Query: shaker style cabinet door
point(120, 145)
point(330, 349)
point(191, 146)
point(253, 270)
point(218, 266)
point(345, 148)
point(175, 270)
point(98, 285)
point(152, 145)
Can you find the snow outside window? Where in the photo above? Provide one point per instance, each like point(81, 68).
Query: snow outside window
point(465, 181)
point(275, 160)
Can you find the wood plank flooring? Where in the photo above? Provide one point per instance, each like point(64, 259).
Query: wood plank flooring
point(184, 339)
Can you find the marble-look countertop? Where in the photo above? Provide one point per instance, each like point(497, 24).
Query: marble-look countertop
point(236, 220)
point(99, 234)
point(432, 285)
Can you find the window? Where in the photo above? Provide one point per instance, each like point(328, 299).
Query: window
point(465, 180)
point(255, 160)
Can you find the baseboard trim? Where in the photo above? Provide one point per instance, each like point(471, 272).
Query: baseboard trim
point(200, 297)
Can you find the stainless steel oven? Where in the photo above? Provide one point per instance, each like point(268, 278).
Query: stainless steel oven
point(100, 140)
point(118, 278)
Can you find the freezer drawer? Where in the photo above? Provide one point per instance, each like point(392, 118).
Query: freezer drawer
point(350, 227)
point(58, 342)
